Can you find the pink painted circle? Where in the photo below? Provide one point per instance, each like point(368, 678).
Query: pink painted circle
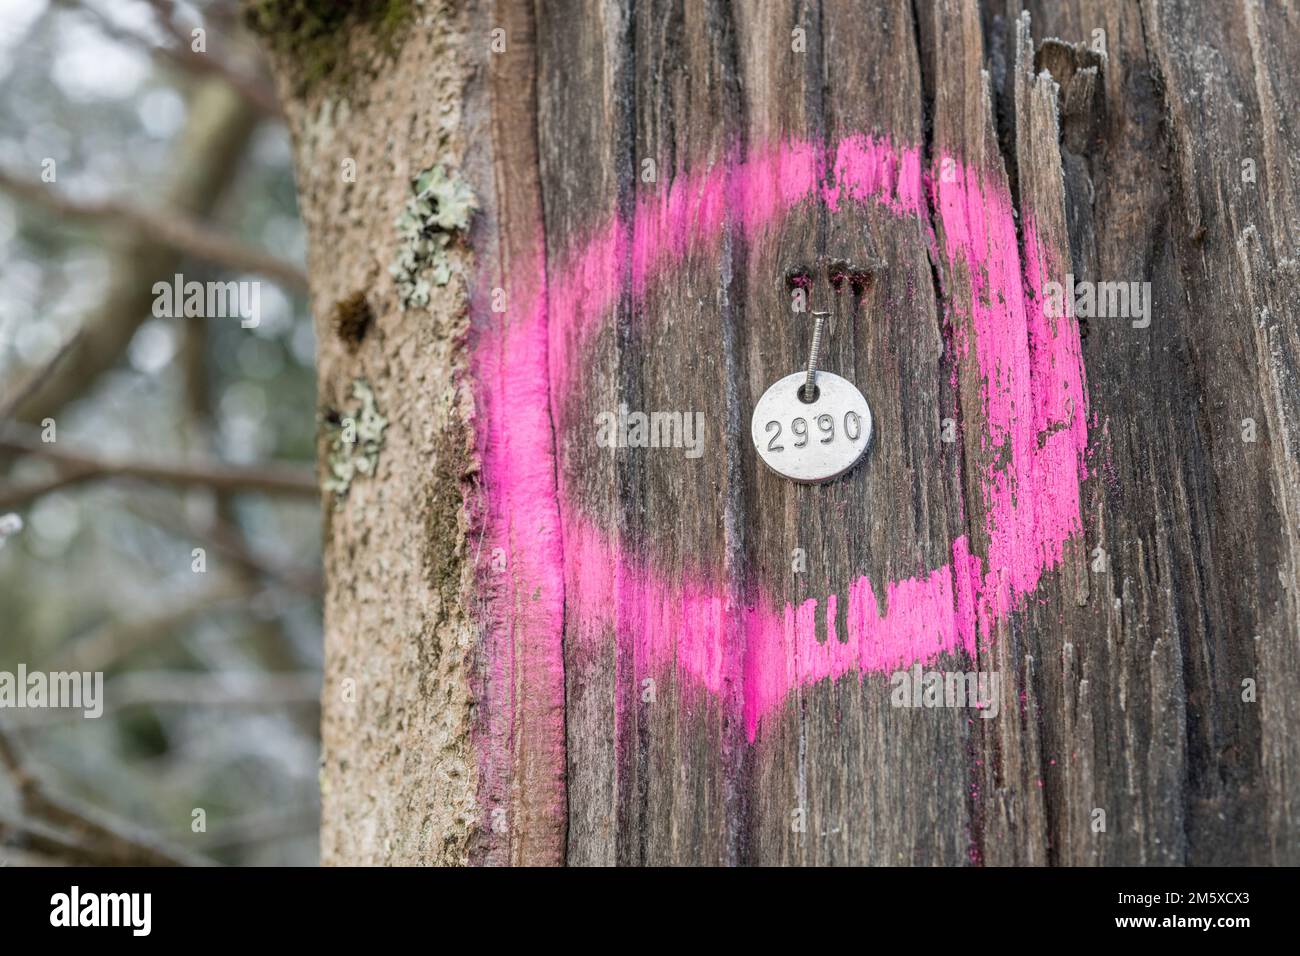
point(1033, 399)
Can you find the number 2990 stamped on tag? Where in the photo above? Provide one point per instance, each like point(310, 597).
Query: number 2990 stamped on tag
point(811, 441)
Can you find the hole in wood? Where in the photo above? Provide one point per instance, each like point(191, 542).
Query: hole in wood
point(799, 278)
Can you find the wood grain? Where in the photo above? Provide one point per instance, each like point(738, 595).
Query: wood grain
point(1123, 686)
point(1101, 139)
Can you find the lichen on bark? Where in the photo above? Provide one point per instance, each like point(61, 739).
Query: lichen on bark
point(354, 443)
point(434, 216)
point(399, 770)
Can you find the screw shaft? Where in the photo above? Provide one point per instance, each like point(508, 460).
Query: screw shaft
point(815, 351)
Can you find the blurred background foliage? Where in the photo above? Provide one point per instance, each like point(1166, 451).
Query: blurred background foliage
point(211, 676)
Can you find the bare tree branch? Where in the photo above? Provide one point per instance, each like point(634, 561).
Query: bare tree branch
point(49, 846)
point(114, 842)
point(264, 827)
point(253, 690)
point(228, 542)
point(171, 227)
point(275, 479)
point(107, 645)
point(165, 13)
point(233, 690)
point(180, 53)
point(33, 382)
point(204, 161)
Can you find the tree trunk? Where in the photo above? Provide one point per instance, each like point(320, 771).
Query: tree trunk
point(541, 649)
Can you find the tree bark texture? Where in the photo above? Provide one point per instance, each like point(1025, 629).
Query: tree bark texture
point(543, 650)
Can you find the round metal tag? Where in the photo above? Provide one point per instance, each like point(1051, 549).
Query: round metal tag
point(811, 441)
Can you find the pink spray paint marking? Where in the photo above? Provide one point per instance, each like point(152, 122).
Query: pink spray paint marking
point(520, 690)
point(1034, 403)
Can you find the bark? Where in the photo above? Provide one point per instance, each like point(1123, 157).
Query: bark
point(540, 650)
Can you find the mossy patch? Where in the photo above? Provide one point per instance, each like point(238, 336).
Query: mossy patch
point(453, 465)
point(354, 442)
point(439, 208)
point(312, 36)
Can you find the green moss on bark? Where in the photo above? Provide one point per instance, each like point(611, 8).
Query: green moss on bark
point(453, 469)
point(312, 36)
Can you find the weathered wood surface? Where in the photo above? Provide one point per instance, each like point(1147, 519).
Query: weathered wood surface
point(647, 681)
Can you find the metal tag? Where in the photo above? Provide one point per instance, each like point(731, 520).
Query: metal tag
point(812, 441)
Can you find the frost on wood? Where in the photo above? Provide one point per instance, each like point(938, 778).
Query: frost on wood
point(439, 207)
point(354, 442)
